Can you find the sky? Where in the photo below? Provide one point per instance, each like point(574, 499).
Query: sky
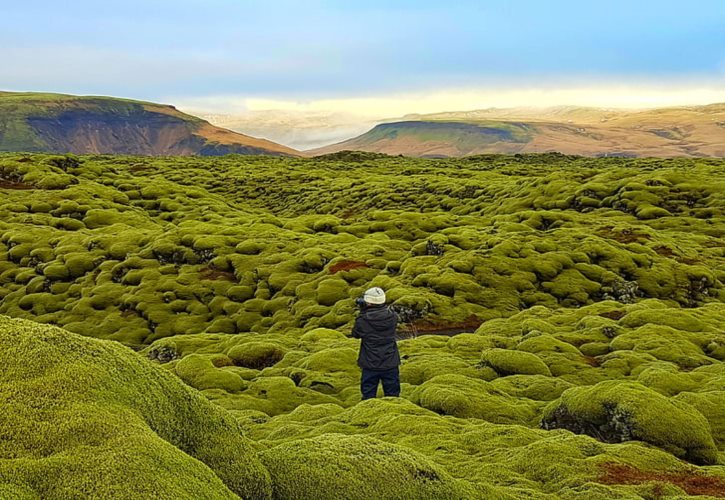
point(373, 57)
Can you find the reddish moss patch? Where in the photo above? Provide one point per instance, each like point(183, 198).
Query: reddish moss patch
point(346, 265)
point(693, 483)
point(209, 273)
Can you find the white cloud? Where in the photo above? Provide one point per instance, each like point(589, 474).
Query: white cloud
point(464, 99)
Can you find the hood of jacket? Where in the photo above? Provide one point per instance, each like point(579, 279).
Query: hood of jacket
point(380, 317)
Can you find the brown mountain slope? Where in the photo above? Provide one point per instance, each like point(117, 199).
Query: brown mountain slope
point(79, 124)
point(681, 131)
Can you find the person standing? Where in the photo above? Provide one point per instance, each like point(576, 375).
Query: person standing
point(379, 358)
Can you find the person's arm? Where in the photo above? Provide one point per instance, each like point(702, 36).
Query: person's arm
point(356, 330)
point(397, 318)
point(396, 331)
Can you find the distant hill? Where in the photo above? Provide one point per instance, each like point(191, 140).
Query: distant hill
point(678, 131)
point(35, 122)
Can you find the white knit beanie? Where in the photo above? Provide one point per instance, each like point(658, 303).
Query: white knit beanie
point(374, 295)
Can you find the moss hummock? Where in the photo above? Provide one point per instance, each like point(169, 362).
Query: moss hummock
point(357, 467)
point(91, 418)
point(616, 411)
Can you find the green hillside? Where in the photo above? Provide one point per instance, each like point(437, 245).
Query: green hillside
point(465, 137)
point(37, 122)
point(562, 326)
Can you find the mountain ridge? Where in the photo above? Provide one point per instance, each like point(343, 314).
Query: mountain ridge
point(64, 123)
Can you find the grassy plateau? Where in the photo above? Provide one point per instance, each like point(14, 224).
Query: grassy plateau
point(179, 327)
point(685, 131)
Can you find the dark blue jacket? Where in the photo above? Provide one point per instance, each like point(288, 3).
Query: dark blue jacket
point(375, 326)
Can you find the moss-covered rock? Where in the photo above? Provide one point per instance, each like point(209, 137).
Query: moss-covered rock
point(356, 467)
point(114, 425)
point(506, 362)
point(615, 411)
point(465, 397)
point(664, 343)
point(331, 291)
point(199, 371)
point(273, 395)
point(536, 387)
point(710, 404)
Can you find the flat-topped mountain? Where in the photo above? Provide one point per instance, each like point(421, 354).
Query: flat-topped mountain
point(677, 131)
point(58, 123)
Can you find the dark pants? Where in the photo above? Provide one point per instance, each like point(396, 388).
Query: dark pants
point(370, 379)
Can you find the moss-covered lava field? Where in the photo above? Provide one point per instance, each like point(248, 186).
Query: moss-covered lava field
point(563, 328)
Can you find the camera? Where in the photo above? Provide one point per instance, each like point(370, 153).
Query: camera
point(360, 303)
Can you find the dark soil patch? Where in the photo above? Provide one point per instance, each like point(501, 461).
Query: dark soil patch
point(433, 327)
point(261, 362)
point(623, 236)
point(668, 252)
point(687, 260)
point(693, 483)
point(209, 273)
point(591, 361)
point(321, 386)
point(714, 244)
point(615, 315)
point(222, 361)
point(348, 214)
point(7, 184)
point(346, 265)
point(664, 251)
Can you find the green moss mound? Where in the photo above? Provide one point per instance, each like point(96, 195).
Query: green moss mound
point(337, 466)
point(506, 362)
point(616, 411)
point(465, 397)
point(201, 373)
point(84, 417)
